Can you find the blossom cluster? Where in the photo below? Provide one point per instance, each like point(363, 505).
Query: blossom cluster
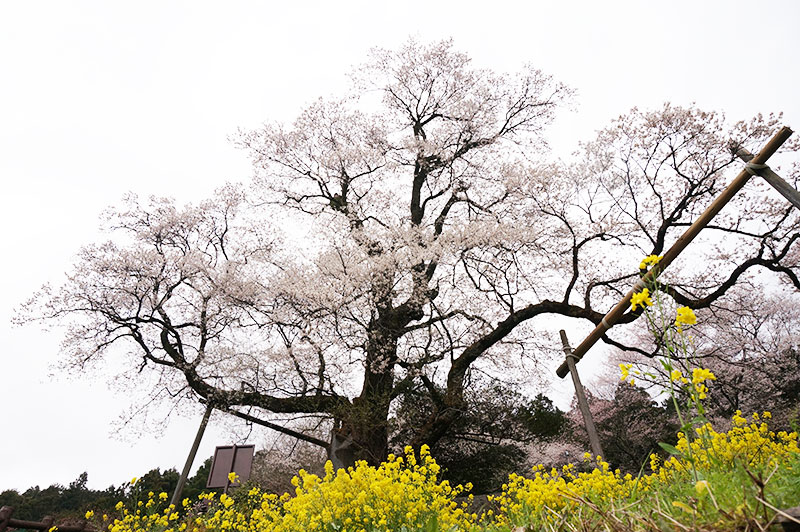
point(698, 389)
point(650, 260)
point(749, 442)
point(548, 495)
point(643, 298)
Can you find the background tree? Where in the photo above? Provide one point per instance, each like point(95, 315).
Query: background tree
point(427, 239)
point(72, 502)
point(274, 467)
point(630, 426)
point(490, 439)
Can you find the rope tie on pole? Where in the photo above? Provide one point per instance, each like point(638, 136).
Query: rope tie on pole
point(753, 169)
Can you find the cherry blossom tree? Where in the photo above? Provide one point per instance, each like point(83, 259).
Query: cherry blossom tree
point(429, 235)
point(757, 363)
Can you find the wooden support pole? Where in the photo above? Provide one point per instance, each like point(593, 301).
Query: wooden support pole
point(190, 459)
point(777, 182)
point(583, 404)
point(735, 186)
point(278, 428)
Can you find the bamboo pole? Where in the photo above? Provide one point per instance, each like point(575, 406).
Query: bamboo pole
point(777, 182)
point(616, 313)
point(583, 404)
point(190, 459)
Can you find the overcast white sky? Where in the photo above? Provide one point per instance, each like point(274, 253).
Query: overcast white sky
point(99, 98)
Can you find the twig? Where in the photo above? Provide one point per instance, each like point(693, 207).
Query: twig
point(684, 527)
point(784, 514)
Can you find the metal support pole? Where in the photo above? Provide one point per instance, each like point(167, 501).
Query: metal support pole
point(583, 404)
point(190, 459)
point(672, 253)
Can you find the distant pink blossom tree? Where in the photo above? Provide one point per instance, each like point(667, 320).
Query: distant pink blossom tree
point(630, 426)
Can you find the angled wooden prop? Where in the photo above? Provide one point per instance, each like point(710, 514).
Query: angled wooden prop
point(176, 496)
point(777, 182)
point(755, 166)
point(583, 404)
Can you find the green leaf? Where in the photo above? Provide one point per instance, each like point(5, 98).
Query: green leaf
point(432, 525)
point(670, 449)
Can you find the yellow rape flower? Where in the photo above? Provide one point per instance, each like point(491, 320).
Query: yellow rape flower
point(650, 260)
point(233, 478)
point(533, 502)
point(685, 317)
point(226, 501)
point(641, 299)
point(700, 375)
point(404, 493)
point(655, 461)
point(625, 370)
point(89, 514)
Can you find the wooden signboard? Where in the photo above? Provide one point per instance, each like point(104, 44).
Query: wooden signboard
point(230, 459)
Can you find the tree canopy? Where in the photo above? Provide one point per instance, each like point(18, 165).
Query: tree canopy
point(429, 231)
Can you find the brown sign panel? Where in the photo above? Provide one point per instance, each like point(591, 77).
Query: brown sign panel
point(230, 459)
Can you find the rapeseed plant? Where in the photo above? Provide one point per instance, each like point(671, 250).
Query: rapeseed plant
point(402, 494)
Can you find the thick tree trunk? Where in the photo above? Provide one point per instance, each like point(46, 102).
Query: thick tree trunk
point(362, 432)
point(366, 424)
point(364, 427)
